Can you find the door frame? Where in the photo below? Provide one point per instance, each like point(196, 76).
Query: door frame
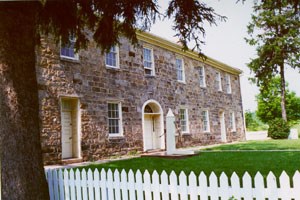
point(161, 121)
point(75, 108)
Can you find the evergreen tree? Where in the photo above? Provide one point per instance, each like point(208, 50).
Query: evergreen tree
point(22, 174)
point(275, 31)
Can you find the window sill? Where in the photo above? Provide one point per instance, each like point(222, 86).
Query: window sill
point(115, 136)
point(179, 81)
point(112, 67)
point(69, 59)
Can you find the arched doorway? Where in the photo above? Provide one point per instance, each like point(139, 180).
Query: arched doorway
point(153, 126)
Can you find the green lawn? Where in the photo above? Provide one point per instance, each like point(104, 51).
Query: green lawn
point(223, 161)
point(261, 145)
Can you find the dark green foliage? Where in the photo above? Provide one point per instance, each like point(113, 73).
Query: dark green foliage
point(269, 103)
point(278, 129)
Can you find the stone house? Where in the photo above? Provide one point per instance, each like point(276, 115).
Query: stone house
point(95, 105)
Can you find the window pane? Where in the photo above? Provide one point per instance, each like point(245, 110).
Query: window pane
point(113, 118)
point(183, 120)
point(147, 58)
point(111, 57)
point(179, 69)
point(68, 50)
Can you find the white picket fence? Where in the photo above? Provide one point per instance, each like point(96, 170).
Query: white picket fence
point(109, 185)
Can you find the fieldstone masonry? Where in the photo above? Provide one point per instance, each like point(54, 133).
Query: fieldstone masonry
point(94, 85)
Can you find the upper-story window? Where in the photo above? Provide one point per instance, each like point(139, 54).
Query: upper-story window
point(184, 122)
point(218, 81)
point(148, 61)
point(180, 70)
point(232, 121)
point(202, 77)
point(205, 121)
point(112, 58)
point(228, 84)
point(68, 50)
point(114, 119)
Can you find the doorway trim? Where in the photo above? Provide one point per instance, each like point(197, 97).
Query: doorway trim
point(159, 114)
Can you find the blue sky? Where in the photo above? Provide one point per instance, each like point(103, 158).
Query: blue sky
point(226, 43)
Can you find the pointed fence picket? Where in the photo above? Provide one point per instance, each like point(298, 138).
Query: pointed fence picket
point(113, 185)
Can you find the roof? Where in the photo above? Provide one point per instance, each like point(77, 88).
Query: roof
point(163, 43)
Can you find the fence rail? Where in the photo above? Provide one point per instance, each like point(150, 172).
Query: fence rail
point(115, 185)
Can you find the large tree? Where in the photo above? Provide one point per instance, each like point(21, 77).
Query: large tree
point(268, 103)
point(275, 31)
point(21, 23)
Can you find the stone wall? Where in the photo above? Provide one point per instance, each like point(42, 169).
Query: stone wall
point(93, 84)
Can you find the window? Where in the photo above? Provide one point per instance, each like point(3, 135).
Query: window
point(148, 61)
point(180, 70)
point(112, 58)
point(68, 51)
point(205, 120)
point(232, 121)
point(228, 84)
point(202, 77)
point(184, 120)
point(219, 81)
point(114, 119)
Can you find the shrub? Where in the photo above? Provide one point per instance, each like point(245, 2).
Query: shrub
point(278, 129)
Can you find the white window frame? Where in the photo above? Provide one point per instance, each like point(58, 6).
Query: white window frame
point(152, 68)
point(180, 70)
point(219, 81)
point(228, 84)
point(120, 120)
point(117, 55)
point(186, 115)
point(232, 124)
point(202, 80)
point(72, 42)
point(205, 121)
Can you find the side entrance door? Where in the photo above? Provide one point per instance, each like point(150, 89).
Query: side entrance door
point(67, 135)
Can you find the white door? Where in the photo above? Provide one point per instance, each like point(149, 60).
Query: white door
point(148, 128)
point(223, 128)
point(67, 144)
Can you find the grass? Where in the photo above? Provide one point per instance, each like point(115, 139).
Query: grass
point(222, 161)
point(261, 145)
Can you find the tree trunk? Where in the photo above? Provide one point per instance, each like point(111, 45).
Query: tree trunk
point(22, 173)
point(283, 107)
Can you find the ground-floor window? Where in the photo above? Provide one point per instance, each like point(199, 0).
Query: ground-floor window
point(114, 119)
point(184, 120)
point(205, 121)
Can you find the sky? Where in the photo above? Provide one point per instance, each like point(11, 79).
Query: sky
point(225, 43)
